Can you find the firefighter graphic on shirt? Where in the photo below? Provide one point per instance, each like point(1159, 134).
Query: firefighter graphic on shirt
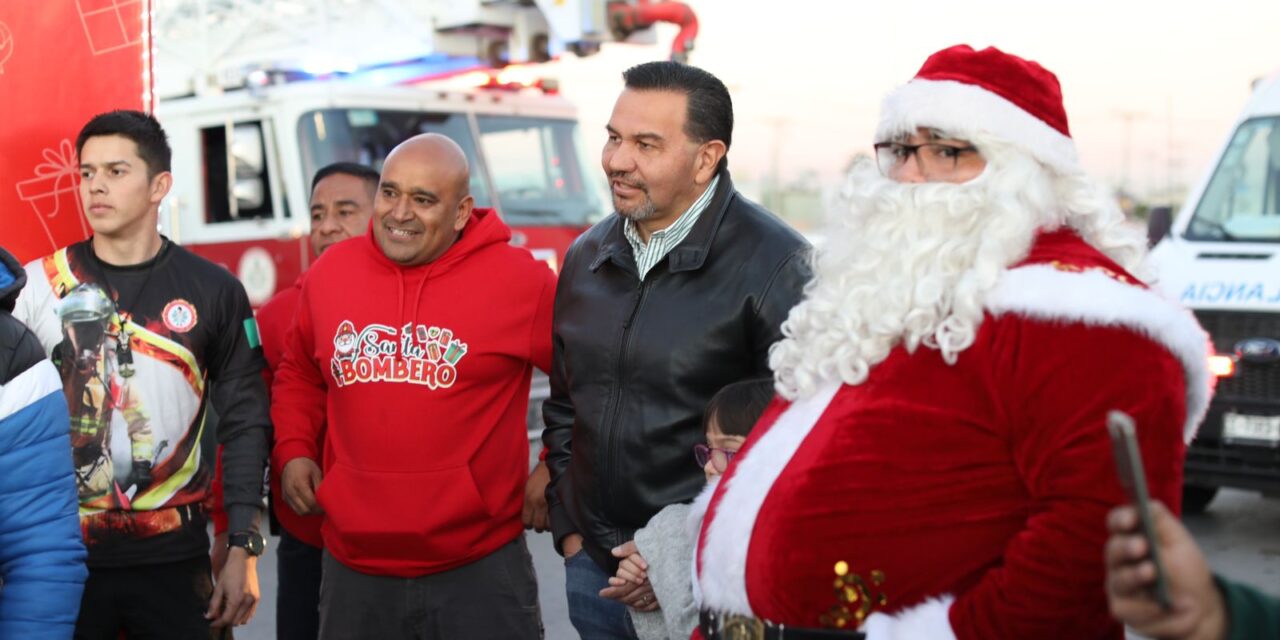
point(96, 379)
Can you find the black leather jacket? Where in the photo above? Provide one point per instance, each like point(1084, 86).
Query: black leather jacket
point(635, 363)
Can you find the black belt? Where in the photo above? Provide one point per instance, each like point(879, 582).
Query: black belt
point(731, 626)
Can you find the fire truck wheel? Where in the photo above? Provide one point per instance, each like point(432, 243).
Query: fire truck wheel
point(1195, 498)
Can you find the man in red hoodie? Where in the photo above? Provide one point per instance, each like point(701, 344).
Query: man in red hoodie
point(416, 345)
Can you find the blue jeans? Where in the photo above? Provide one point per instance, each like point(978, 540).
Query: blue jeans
point(594, 617)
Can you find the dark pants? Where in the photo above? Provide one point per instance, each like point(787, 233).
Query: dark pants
point(594, 617)
point(493, 598)
point(298, 591)
point(155, 601)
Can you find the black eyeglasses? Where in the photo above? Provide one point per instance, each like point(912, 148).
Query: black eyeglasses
point(719, 458)
point(935, 159)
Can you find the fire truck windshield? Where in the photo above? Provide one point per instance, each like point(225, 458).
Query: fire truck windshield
point(537, 171)
point(535, 163)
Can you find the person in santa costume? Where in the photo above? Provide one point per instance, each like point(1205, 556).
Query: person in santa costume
point(938, 464)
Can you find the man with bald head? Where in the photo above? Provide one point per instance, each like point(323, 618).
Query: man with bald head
point(415, 344)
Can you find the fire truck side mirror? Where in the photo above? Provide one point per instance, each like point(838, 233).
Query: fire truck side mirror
point(249, 162)
point(250, 193)
point(237, 185)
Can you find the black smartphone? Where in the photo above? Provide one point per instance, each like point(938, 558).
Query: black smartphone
point(1124, 445)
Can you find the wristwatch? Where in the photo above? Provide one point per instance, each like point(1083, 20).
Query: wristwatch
point(250, 541)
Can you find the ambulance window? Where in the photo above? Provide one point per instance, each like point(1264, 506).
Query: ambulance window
point(537, 171)
point(1242, 200)
point(248, 195)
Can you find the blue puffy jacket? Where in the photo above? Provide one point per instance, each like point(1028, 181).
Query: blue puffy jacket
point(41, 553)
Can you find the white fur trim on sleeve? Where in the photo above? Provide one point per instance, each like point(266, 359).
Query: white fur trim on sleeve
point(724, 548)
point(961, 109)
point(1091, 297)
point(928, 619)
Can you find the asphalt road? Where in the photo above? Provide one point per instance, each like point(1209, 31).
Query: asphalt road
point(1238, 533)
point(548, 565)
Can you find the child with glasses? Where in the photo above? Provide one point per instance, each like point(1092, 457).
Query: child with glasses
point(662, 552)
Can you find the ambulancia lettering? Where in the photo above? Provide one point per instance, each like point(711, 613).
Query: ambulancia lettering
point(1220, 292)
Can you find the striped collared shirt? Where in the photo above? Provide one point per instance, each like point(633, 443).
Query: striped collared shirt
point(661, 242)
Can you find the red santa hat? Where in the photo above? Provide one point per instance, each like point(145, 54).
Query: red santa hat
point(961, 92)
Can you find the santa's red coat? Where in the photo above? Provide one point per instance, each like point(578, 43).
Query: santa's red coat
point(965, 500)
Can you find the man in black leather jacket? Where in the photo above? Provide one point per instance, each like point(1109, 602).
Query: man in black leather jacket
point(657, 308)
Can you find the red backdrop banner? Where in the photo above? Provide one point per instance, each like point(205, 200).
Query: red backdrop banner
point(61, 62)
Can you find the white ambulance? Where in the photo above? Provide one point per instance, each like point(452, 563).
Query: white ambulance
point(1221, 257)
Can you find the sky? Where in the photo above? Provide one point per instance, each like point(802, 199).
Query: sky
point(1158, 83)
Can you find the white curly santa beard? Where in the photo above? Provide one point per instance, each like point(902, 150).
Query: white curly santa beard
point(909, 264)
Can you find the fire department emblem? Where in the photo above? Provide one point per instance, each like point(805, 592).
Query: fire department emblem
point(179, 316)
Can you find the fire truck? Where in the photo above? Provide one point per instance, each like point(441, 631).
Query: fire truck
point(243, 162)
point(256, 95)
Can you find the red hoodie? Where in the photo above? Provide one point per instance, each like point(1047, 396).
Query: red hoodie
point(274, 319)
point(423, 373)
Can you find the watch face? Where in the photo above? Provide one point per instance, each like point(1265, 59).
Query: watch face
point(251, 542)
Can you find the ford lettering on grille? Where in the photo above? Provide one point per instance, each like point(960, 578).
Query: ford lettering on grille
point(1258, 350)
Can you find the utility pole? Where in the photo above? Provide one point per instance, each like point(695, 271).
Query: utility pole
point(1128, 118)
point(778, 123)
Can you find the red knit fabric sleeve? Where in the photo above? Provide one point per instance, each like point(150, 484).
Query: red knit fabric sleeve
point(298, 394)
point(540, 331)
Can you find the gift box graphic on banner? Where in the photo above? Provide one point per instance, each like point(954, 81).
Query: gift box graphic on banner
point(6, 45)
point(61, 63)
point(55, 190)
point(111, 24)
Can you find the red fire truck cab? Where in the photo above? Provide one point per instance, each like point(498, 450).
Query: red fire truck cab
point(243, 163)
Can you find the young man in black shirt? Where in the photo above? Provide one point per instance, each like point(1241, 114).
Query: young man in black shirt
point(146, 335)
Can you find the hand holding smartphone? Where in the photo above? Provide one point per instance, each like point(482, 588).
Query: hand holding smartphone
point(1124, 444)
